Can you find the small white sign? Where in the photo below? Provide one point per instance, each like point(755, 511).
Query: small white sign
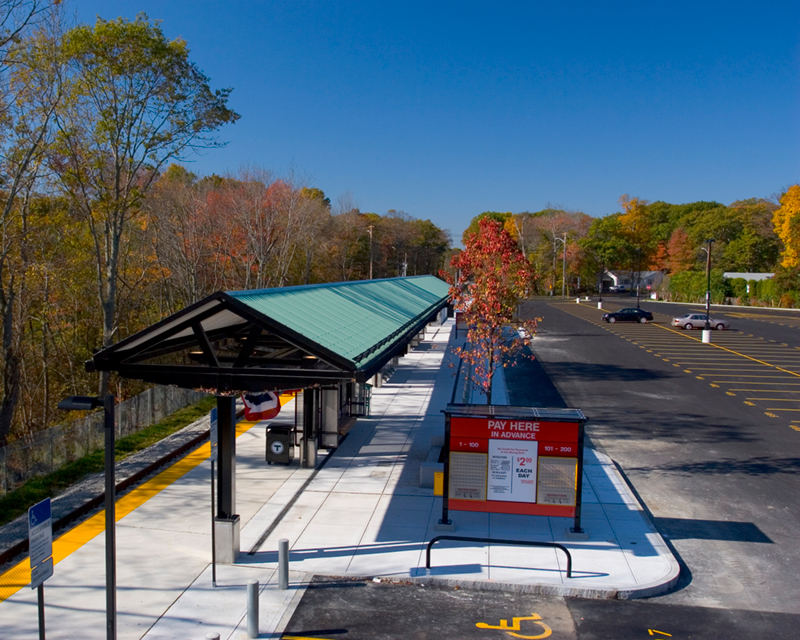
point(41, 572)
point(40, 532)
point(512, 470)
point(214, 435)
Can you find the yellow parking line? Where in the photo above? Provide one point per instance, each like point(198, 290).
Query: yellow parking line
point(708, 361)
point(19, 575)
point(776, 399)
point(763, 390)
point(734, 375)
point(722, 369)
point(787, 356)
point(766, 390)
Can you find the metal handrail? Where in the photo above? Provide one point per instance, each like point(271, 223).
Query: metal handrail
point(526, 543)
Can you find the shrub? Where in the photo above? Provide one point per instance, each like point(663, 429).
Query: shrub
point(738, 287)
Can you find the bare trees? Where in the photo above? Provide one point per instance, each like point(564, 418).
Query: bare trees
point(31, 92)
point(548, 238)
point(252, 230)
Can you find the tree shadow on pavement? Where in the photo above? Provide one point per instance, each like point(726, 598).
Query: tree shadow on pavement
point(758, 466)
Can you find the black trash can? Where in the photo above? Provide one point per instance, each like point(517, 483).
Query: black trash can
point(279, 445)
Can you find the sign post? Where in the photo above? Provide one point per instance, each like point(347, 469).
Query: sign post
point(214, 438)
point(40, 546)
point(522, 460)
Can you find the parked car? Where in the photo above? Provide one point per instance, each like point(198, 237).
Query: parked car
point(619, 288)
point(629, 315)
point(698, 321)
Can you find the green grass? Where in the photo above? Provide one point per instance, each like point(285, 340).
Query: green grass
point(37, 489)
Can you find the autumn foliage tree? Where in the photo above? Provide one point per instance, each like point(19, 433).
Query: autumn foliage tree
point(681, 251)
point(491, 278)
point(132, 103)
point(787, 226)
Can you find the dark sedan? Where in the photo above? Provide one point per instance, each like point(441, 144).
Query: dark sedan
point(629, 315)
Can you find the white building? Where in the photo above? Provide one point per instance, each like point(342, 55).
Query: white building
point(627, 279)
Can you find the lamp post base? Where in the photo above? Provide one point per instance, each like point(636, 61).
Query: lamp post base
point(227, 539)
point(706, 336)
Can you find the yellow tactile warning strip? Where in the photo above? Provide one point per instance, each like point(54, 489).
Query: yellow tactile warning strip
point(754, 370)
point(19, 575)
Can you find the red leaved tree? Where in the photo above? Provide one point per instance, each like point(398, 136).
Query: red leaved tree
point(682, 253)
point(492, 276)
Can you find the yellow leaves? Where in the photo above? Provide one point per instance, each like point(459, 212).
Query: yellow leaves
point(786, 221)
point(510, 225)
point(634, 220)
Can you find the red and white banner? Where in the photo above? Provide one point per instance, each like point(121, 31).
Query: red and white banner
point(261, 406)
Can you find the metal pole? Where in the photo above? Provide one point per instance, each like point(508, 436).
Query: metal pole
point(40, 598)
point(600, 288)
point(283, 564)
point(576, 526)
point(638, 276)
point(564, 268)
point(252, 608)
point(370, 251)
point(226, 456)
point(708, 285)
point(446, 476)
point(213, 531)
point(111, 548)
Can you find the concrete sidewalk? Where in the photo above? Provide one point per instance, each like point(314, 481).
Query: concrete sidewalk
point(362, 513)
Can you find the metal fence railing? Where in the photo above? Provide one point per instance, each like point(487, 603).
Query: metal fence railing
point(51, 448)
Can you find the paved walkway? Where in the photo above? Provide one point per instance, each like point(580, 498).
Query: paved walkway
point(361, 514)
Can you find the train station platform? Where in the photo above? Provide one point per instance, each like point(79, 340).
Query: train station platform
point(360, 513)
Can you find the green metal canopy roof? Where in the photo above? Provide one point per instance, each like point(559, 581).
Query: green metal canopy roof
point(283, 337)
point(350, 318)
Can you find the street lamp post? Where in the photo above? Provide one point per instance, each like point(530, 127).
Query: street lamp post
point(87, 403)
point(708, 283)
point(638, 275)
point(369, 228)
point(563, 241)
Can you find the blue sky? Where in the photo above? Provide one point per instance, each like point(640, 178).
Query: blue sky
point(448, 109)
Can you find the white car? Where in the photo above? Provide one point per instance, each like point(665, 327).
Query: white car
point(698, 321)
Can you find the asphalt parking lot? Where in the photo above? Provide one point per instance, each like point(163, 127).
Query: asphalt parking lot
point(335, 608)
point(706, 434)
point(755, 370)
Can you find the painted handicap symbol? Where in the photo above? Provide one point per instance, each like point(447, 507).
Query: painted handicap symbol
point(515, 626)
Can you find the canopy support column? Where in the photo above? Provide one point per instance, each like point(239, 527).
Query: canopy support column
point(309, 443)
point(226, 522)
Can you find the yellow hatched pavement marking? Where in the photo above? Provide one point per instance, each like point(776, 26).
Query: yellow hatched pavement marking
point(19, 575)
point(736, 375)
point(716, 346)
point(688, 357)
point(764, 390)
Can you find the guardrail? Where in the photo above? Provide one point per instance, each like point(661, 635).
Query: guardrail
point(525, 543)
